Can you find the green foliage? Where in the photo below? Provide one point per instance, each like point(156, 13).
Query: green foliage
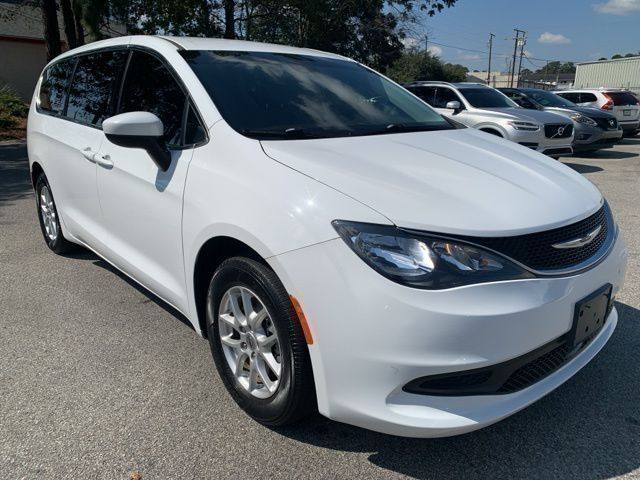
point(617, 55)
point(369, 31)
point(12, 107)
point(558, 67)
point(422, 65)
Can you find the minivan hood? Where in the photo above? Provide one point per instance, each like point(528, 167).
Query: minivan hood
point(539, 116)
point(453, 181)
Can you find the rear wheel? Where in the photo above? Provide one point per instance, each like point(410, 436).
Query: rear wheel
point(49, 218)
point(258, 344)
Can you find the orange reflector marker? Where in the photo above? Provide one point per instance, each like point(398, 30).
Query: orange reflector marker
point(303, 320)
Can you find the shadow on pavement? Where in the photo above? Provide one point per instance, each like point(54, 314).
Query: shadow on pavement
point(587, 429)
point(14, 173)
point(607, 154)
point(582, 168)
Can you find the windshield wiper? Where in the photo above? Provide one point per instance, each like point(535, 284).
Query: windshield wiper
point(401, 127)
point(292, 133)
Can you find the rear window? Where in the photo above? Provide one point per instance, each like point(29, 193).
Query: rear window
point(622, 98)
point(53, 89)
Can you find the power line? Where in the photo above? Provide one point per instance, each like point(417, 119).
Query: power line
point(484, 52)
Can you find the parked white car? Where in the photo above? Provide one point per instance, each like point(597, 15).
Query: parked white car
point(479, 106)
point(622, 103)
point(342, 245)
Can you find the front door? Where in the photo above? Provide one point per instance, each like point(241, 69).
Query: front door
point(141, 204)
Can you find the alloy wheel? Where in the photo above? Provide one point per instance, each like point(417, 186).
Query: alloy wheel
point(250, 342)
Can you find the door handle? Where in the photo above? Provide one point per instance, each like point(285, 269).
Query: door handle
point(89, 154)
point(104, 160)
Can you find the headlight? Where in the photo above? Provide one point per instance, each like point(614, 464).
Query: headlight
point(528, 126)
point(422, 261)
point(576, 117)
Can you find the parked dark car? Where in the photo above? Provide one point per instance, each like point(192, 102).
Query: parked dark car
point(594, 128)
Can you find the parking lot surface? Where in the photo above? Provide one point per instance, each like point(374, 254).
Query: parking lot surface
point(99, 379)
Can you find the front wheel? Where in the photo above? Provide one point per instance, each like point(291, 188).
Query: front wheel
point(258, 344)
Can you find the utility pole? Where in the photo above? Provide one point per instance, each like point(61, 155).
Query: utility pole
point(515, 53)
point(426, 43)
point(491, 35)
point(523, 42)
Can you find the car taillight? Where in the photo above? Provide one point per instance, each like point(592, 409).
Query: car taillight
point(608, 105)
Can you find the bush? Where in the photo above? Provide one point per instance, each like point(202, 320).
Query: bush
point(12, 108)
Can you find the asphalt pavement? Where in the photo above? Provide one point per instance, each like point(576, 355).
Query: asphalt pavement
point(99, 379)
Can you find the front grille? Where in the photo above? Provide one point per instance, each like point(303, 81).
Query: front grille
point(607, 123)
point(558, 130)
point(535, 250)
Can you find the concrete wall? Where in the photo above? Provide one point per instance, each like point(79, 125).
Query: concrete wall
point(20, 65)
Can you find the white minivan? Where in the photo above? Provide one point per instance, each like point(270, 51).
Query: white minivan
point(344, 248)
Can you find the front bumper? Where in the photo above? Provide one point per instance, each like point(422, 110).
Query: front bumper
point(537, 141)
point(372, 337)
point(629, 125)
point(591, 138)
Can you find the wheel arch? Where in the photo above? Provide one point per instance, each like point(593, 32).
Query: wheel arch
point(492, 130)
point(36, 170)
point(210, 255)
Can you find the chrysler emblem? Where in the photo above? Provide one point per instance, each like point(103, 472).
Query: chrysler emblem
point(579, 242)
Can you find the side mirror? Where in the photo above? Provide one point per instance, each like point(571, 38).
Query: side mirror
point(139, 130)
point(454, 105)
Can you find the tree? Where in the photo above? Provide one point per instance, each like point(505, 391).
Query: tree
point(602, 58)
point(617, 55)
point(422, 65)
point(51, 29)
point(69, 23)
point(558, 67)
point(370, 31)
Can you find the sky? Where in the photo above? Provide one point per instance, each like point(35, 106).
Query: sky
point(567, 30)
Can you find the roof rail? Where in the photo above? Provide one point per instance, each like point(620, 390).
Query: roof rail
point(422, 82)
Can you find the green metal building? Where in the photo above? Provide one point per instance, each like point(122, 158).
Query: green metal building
point(619, 73)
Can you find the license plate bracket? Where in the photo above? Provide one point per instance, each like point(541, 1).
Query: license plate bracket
point(590, 315)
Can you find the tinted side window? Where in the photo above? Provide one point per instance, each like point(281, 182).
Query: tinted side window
point(445, 95)
point(588, 97)
point(572, 97)
point(53, 89)
point(96, 79)
point(150, 87)
point(425, 93)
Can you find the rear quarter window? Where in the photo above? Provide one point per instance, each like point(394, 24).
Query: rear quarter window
point(54, 85)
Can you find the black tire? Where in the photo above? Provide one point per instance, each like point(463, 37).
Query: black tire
point(59, 245)
point(294, 397)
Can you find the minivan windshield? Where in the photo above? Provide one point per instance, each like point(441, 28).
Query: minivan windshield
point(288, 96)
point(484, 97)
point(548, 99)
